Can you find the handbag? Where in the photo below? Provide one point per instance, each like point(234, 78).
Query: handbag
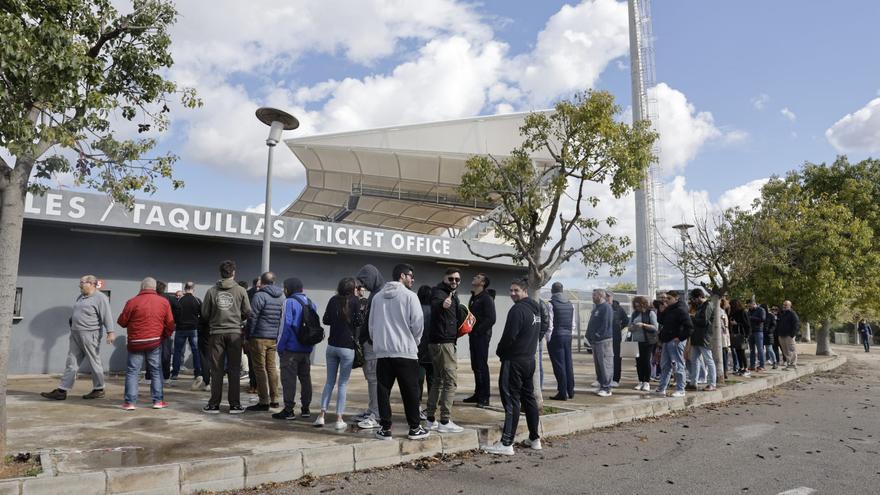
point(629, 349)
point(358, 355)
point(469, 321)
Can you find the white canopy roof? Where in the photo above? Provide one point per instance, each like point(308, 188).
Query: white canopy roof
point(402, 177)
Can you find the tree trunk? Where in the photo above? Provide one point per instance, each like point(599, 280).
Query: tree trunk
point(535, 283)
point(806, 336)
point(717, 353)
point(11, 217)
point(823, 339)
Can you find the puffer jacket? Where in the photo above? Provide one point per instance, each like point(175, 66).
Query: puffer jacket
point(267, 310)
point(675, 323)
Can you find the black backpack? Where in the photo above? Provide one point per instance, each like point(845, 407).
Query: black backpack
point(310, 331)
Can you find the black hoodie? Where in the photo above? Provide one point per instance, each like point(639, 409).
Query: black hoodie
point(520, 337)
point(369, 276)
point(444, 321)
point(675, 322)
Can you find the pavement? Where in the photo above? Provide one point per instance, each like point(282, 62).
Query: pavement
point(82, 436)
point(818, 434)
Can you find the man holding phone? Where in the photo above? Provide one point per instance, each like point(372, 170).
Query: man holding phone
point(442, 335)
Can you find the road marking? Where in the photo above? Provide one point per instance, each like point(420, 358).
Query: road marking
point(801, 490)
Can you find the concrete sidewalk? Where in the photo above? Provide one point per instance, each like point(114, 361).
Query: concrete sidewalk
point(95, 447)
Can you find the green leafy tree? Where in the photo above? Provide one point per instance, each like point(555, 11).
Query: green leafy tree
point(587, 145)
point(820, 250)
point(622, 287)
point(70, 70)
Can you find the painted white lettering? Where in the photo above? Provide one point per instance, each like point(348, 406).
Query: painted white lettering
point(340, 236)
point(278, 229)
point(138, 208)
point(353, 235)
point(155, 216)
point(202, 220)
point(179, 218)
point(368, 238)
point(420, 243)
point(29, 204)
point(230, 228)
point(218, 222)
point(397, 241)
point(258, 230)
point(379, 236)
point(53, 204)
point(319, 229)
point(410, 242)
point(446, 247)
point(243, 228)
point(77, 209)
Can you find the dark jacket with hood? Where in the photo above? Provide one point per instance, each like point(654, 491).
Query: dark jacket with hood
point(788, 325)
point(345, 319)
point(675, 323)
point(370, 278)
point(444, 321)
point(519, 339)
point(743, 325)
point(226, 307)
point(483, 307)
point(702, 321)
point(267, 306)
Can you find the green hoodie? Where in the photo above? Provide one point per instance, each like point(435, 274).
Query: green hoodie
point(226, 307)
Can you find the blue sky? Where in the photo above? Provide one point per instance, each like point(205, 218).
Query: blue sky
point(746, 89)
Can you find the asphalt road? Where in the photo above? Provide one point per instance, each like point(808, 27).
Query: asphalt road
point(817, 435)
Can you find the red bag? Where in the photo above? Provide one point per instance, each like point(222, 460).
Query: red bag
point(468, 324)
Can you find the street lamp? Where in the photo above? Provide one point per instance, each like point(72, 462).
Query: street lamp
point(682, 229)
point(277, 120)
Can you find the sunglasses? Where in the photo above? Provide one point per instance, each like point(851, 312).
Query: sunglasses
point(453, 279)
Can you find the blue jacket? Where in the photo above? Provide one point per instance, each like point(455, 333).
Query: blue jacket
point(599, 327)
point(563, 315)
point(267, 307)
point(287, 340)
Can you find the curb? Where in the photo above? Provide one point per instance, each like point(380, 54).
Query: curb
point(239, 472)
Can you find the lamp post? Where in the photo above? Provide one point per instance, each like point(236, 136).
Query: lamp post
point(278, 121)
point(682, 229)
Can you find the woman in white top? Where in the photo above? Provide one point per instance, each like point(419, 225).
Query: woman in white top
point(643, 329)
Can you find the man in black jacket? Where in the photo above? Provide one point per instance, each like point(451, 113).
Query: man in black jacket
point(442, 335)
point(167, 343)
point(620, 320)
point(701, 346)
point(186, 328)
point(482, 305)
point(675, 328)
point(517, 352)
point(787, 329)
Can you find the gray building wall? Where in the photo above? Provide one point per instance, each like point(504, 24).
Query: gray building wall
point(53, 258)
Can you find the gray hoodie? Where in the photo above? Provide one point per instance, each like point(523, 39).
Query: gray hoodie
point(396, 322)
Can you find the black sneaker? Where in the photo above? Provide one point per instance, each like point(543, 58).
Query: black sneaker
point(559, 397)
point(305, 413)
point(97, 393)
point(483, 405)
point(383, 434)
point(257, 408)
point(284, 414)
point(471, 400)
point(56, 394)
point(274, 405)
point(418, 433)
point(236, 409)
point(211, 409)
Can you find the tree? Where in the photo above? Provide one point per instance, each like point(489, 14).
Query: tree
point(820, 250)
point(622, 287)
point(70, 69)
point(587, 145)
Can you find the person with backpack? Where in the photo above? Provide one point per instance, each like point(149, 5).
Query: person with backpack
point(295, 345)
point(345, 320)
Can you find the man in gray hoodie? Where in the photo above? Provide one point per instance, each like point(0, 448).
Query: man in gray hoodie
point(396, 324)
point(371, 280)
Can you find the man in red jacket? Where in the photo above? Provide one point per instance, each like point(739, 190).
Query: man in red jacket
point(149, 320)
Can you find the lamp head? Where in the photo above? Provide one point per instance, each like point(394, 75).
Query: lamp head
point(277, 120)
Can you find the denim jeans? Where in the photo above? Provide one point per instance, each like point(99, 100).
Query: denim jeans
point(339, 360)
point(769, 354)
point(756, 349)
point(672, 361)
point(135, 363)
point(181, 337)
point(696, 353)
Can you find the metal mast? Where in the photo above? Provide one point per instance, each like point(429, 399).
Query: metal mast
point(641, 50)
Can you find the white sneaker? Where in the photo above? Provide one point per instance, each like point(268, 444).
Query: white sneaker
point(197, 383)
point(340, 425)
point(432, 425)
point(646, 387)
point(449, 427)
point(678, 393)
point(595, 384)
point(640, 386)
point(604, 393)
point(368, 424)
point(615, 384)
point(534, 444)
point(498, 448)
point(422, 415)
point(206, 388)
point(319, 422)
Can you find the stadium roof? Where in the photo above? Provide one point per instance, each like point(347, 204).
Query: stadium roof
point(402, 177)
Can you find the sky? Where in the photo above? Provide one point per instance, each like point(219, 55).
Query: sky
point(745, 89)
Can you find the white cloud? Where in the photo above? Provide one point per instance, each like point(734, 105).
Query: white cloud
point(760, 101)
point(736, 137)
point(683, 130)
point(573, 49)
point(260, 208)
point(857, 131)
point(788, 114)
point(742, 196)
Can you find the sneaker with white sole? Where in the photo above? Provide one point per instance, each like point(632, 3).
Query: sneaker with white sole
point(422, 415)
point(498, 448)
point(197, 383)
point(678, 393)
point(595, 384)
point(604, 393)
point(615, 384)
point(383, 434)
point(646, 387)
point(418, 433)
point(319, 422)
point(340, 425)
point(449, 427)
point(534, 444)
point(432, 425)
point(368, 424)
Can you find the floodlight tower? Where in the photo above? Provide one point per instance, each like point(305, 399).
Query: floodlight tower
point(641, 53)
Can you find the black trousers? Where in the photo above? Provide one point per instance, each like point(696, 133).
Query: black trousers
point(479, 349)
point(205, 352)
point(559, 349)
point(618, 360)
point(226, 348)
point(167, 350)
point(406, 373)
point(643, 362)
point(516, 390)
point(426, 374)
